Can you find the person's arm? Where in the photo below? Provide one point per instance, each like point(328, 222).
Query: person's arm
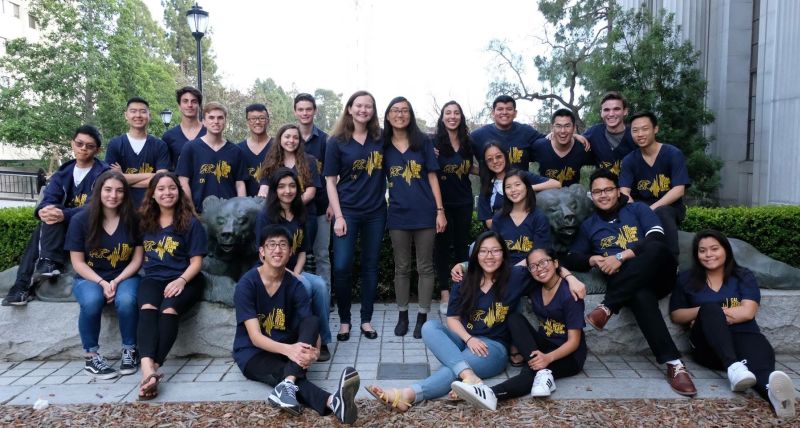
point(81, 268)
point(476, 345)
point(339, 225)
point(263, 190)
point(176, 286)
point(684, 315)
point(241, 188)
point(308, 194)
point(298, 352)
point(576, 287)
point(186, 187)
point(549, 184)
point(441, 220)
point(132, 268)
point(670, 197)
point(584, 142)
point(301, 262)
point(742, 313)
point(542, 360)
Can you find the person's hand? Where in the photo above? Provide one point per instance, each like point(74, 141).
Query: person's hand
point(329, 213)
point(539, 360)
point(108, 291)
point(478, 347)
point(436, 152)
point(441, 221)
point(340, 227)
point(581, 139)
point(609, 265)
point(576, 288)
point(51, 215)
point(302, 354)
point(116, 167)
point(457, 273)
point(175, 287)
point(730, 318)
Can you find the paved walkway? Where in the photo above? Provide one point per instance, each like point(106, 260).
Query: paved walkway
point(218, 379)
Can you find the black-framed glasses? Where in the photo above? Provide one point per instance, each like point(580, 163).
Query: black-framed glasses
point(541, 264)
point(606, 191)
point(271, 245)
point(495, 252)
point(87, 146)
point(257, 119)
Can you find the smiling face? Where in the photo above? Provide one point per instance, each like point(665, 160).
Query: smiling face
point(166, 193)
point(563, 129)
point(275, 252)
point(400, 115)
point(287, 190)
point(137, 115)
point(643, 132)
point(604, 194)
point(189, 105)
point(541, 266)
point(214, 121)
point(504, 115)
point(495, 160)
point(362, 110)
point(112, 193)
point(490, 255)
point(290, 140)
point(451, 117)
point(258, 122)
point(711, 254)
point(515, 189)
point(304, 112)
point(613, 113)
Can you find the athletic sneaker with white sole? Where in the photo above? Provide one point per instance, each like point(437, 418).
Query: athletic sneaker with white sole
point(343, 401)
point(740, 376)
point(781, 394)
point(543, 384)
point(480, 395)
point(284, 396)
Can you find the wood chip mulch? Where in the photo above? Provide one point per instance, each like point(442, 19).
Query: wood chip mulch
point(746, 412)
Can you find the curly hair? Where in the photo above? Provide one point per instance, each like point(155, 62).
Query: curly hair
point(150, 211)
point(276, 156)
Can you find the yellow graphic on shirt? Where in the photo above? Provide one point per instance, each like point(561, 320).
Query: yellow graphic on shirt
point(627, 235)
point(79, 200)
point(656, 187)
point(523, 244)
point(373, 162)
point(221, 170)
point(562, 175)
point(459, 169)
point(256, 172)
point(515, 155)
point(297, 240)
point(122, 252)
point(496, 314)
point(319, 166)
point(731, 302)
point(409, 172)
point(552, 327)
point(276, 320)
point(165, 245)
point(145, 168)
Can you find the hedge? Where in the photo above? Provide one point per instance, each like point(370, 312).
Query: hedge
point(773, 230)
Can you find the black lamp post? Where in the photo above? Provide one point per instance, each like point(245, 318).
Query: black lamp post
point(166, 117)
point(198, 24)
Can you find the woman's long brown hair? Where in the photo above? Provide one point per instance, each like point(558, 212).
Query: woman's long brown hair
point(150, 211)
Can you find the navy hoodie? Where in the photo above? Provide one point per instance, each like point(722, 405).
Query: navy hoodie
point(62, 192)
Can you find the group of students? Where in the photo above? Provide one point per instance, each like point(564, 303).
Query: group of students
point(139, 214)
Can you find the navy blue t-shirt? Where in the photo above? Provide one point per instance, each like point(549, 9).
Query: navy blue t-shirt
point(362, 184)
point(607, 238)
point(649, 183)
point(316, 181)
point(488, 208)
point(316, 146)
point(604, 156)
point(278, 315)
point(296, 230)
point(175, 139)
point(454, 180)
point(516, 142)
point(739, 286)
point(411, 202)
point(563, 313)
point(209, 172)
point(252, 162)
point(153, 157)
point(113, 253)
point(566, 170)
point(532, 233)
point(167, 252)
point(488, 317)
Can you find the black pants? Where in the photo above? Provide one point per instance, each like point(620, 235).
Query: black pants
point(717, 347)
point(671, 217)
point(157, 330)
point(452, 245)
point(527, 339)
point(270, 368)
point(46, 242)
point(641, 282)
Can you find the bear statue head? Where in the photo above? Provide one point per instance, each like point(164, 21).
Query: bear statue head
point(565, 209)
point(230, 224)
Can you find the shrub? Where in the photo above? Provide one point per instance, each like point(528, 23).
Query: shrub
point(17, 225)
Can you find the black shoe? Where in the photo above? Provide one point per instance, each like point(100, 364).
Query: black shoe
point(17, 296)
point(324, 353)
point(402, 324)
point(421, 319)
point(284, 396)
point(343, 401)
point(97, 367)
point(344, 337)
point(369, 334)
point(46, 269)
point(130, 362)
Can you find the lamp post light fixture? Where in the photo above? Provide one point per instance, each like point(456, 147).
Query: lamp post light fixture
point(166, 117)
point(198, 24)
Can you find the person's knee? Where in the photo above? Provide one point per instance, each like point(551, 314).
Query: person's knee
point(169, 311)
point(710, 310)
point(148, 307)
point(125, 302)
point(92, 304)
point(516, 320)
point(430, 326)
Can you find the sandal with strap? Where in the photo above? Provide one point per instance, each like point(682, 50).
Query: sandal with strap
point(150, 392)
point(516, 363)
point(383, 397)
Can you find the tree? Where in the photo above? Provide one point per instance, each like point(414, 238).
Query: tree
point(329, 108)
point(278, 101)
point(182, 46)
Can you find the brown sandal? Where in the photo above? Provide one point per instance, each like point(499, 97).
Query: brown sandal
point(150, 392)
point(394, 403)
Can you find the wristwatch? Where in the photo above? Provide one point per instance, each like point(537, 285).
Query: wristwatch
point(618, 256)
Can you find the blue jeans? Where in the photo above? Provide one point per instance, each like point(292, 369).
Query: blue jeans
point(320, 303)
point(455, 357)
point(322, 252)
point(91, 300)
point(371, 230)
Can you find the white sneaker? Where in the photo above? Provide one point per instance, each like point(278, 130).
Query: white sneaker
point(781, 394)
point(543, 384)
point(479, 395)
point(740, 377)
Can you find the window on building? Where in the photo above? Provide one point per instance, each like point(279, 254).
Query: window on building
point(15, 7)
point(751, 109)
point(31, 22)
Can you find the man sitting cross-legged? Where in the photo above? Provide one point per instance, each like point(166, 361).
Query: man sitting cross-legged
point(277, 337)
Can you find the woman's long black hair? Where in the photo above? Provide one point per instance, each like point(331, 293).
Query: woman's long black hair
point(273, 206)
point(530, 195)
point(697, 273)
point(416, 138)
point(127, 213)
point(485, 173)
point(462, 132)
point(471, 285)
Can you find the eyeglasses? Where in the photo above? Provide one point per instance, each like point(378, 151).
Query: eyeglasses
point(541, 264)
point(139, 111)
point(82, 145)
point(606, 191)
point(257, 119)
point(271, 245)
point(562, 127)
point(483, 252)
point(403, 111)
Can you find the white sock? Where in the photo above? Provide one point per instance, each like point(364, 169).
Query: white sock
point(675, 362)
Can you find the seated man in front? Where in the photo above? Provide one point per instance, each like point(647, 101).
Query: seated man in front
point(625, 241)
point(277, 337)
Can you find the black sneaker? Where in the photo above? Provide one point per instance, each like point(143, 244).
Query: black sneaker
point(17, 296)
point(324, 353)
point(284, 396)
point(343, 401)
point(129, 363)
point(46, 269)
point(98, 367)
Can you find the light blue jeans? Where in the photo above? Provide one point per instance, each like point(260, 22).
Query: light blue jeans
point(320, 303)
point(91, 300)
point(455, 357)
